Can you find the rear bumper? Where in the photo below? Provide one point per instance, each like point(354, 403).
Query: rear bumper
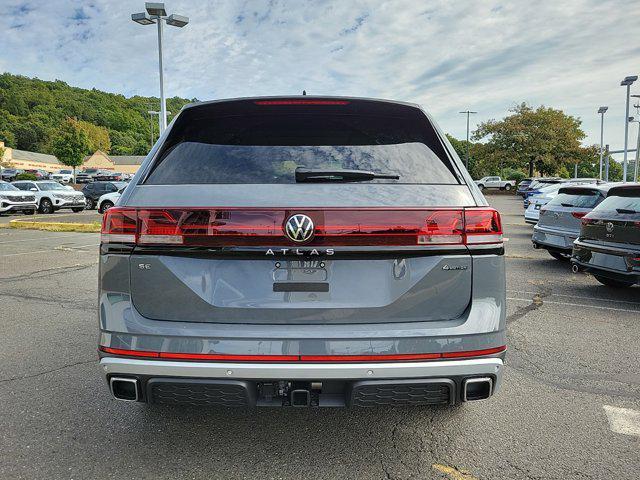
point(552, 239)
point(243, 384)
point(606, 261)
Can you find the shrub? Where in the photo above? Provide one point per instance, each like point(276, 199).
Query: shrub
point(26, 176)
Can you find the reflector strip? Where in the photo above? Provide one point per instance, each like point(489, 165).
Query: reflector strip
point(401, 357)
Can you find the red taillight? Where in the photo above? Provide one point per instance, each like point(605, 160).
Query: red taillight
point(301, 102)
point(333, 227)
point(578, 214)
point(482, 226)
point(222, 357)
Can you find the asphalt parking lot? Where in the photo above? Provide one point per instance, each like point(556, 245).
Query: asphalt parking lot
point(569, 407)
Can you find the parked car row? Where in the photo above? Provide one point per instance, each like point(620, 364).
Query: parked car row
point(65, 175)
point(48, 196)
point(596, 226)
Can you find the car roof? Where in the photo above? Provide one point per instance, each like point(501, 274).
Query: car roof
point(599, 187)
point(189, 106)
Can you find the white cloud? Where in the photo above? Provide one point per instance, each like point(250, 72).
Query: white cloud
point(445, 55)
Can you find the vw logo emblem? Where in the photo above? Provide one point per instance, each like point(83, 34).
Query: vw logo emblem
point(609, 227)
point(299, 228)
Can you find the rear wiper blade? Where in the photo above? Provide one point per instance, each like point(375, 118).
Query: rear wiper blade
point(339, 175)
point(626, 210)
point(566, 205)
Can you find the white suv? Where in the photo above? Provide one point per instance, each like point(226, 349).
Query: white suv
point(52, 196)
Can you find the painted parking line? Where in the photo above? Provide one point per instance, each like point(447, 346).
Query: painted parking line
point(583, 305)
point(623, 420)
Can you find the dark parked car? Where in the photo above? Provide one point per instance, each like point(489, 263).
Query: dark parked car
point(523, 186)
point(10, 174)
point(302, 252)
point(106, 176)
point(609, 243)
point(94, 190)
point(559, 222)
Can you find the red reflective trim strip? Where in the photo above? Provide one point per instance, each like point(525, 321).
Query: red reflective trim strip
point(129, 353)
point(303, 358)
point(370, 358)
point(229, 358)
point(301, 102)
point(474, 353)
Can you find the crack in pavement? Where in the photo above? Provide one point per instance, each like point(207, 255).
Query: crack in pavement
point(47, 272)
point(66, 305)
point(44, 372)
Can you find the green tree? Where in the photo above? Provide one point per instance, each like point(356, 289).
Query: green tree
point(544, 139)
point(98, 137)
point(71, 145)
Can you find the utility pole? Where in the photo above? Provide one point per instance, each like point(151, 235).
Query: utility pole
point(467, 112)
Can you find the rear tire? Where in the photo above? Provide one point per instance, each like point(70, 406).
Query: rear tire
point(507, 187)
point(481, 187)
point(46, 206)
point(104, 206)
point(559, 256)
point(609, 282)
point(90, 204)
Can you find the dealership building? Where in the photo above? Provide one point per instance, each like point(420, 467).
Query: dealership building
point(25, 160)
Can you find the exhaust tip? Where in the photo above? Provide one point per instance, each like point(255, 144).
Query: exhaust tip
point(477, 389)
point(125, 389)
point(575, 268)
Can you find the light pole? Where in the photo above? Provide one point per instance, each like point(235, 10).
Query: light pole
point(157, 14)
point(468, 112)
point(602, 111)
point(627, 82)
point(151, 114)
point(635, 167)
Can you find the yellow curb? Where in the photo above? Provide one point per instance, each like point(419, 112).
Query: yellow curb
point(54, 226)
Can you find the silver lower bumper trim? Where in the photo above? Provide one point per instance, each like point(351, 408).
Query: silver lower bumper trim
point(304, 371)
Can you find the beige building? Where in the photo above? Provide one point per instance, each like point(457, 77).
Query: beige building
point(116, 163)
point(15, 158)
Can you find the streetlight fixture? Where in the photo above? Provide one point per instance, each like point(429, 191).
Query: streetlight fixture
point(627, 82)
point(156, 13)
point(635, 166)
point(602, 111)
point(468, 112)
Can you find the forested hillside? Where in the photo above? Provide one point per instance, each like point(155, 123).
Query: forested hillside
point(32, 111)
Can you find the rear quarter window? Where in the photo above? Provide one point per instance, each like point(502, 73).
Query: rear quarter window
point(266, 147)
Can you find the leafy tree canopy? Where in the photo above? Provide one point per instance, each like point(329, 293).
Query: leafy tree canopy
point(32, 111)
point(71, 144)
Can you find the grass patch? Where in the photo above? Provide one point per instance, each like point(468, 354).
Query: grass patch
point(93, 227)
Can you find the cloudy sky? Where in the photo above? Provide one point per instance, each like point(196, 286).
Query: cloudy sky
point(446, 55)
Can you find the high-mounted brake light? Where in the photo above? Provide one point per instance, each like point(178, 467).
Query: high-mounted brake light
point(239, 227)
point(301, 102)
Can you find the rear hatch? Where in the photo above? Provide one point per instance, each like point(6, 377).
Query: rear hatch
point(565, 210)
point(616, 221)
point(232, 225)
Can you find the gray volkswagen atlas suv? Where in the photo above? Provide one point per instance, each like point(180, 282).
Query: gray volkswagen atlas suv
point(302, 252)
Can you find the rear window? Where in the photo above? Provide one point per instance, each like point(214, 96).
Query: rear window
point(267, 148)
point(617, 204)
point(585, 199)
